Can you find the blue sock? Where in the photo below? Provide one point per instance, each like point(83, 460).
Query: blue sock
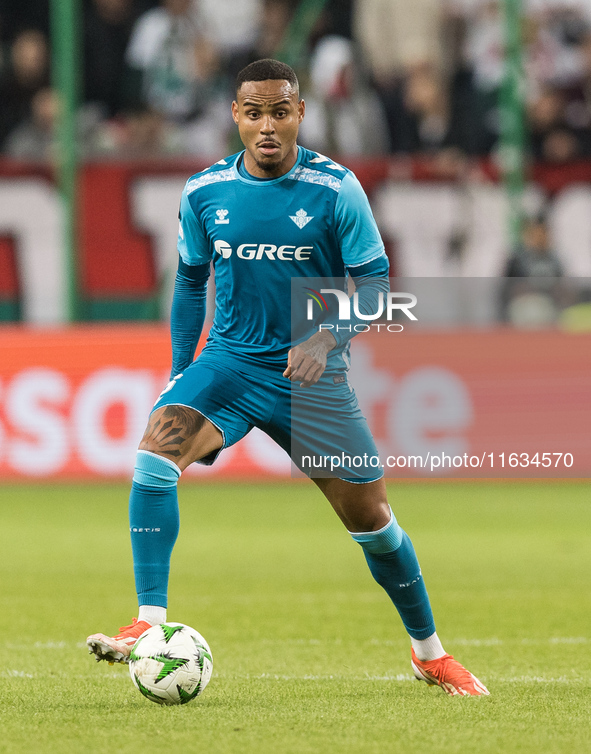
point(154, 525)
point(393, 563)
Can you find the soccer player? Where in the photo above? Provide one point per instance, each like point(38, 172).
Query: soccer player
point(264, 216)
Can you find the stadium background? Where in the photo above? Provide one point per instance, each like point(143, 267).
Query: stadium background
point(468, 123)
point(472, 142)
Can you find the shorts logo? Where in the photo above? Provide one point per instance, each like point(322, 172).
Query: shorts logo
point(222, 219)
point(249, 251)
point(301, 218)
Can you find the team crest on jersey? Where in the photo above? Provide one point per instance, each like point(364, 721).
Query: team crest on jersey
point(222, 217)
point(301, 218)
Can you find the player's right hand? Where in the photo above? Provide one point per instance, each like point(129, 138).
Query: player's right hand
point(306, 362)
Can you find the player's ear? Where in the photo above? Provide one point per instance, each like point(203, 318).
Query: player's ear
point(235, 111)
point(301, 110)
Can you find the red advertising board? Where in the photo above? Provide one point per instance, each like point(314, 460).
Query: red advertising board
point(74, 402)
point(496, 399)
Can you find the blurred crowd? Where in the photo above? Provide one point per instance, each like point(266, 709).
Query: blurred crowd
point(378, 76)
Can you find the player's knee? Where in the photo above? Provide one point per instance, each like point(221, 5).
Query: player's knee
point(386, 539)
point(369, 517)
point(152, 470)
point(361, 507)
point(365, 506)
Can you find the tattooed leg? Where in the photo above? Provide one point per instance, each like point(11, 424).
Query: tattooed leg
point(180, 434)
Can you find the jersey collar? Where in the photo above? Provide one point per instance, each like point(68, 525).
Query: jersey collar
point(268, 181)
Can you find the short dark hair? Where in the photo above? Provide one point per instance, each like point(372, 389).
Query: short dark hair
point(265, 69)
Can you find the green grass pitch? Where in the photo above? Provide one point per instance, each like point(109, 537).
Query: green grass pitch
point(309, 654)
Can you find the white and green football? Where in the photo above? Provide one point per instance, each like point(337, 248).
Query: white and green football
point(170, 663)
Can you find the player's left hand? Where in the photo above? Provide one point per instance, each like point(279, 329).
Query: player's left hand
point(306, 362)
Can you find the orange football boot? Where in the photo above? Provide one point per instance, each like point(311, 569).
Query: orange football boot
point(446, 672)
point(117, 648)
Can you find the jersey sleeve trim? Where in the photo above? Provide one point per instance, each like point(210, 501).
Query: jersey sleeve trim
point(308, 175)
point(218, 176)
point(380, 253)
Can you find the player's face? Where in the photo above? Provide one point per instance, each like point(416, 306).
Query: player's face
point(268, 115)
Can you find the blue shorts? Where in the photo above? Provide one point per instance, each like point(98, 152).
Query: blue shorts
point(321, 427)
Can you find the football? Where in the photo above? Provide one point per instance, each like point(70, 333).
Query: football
point(170, 663)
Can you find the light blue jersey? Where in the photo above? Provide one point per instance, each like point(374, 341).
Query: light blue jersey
point(314, 221)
